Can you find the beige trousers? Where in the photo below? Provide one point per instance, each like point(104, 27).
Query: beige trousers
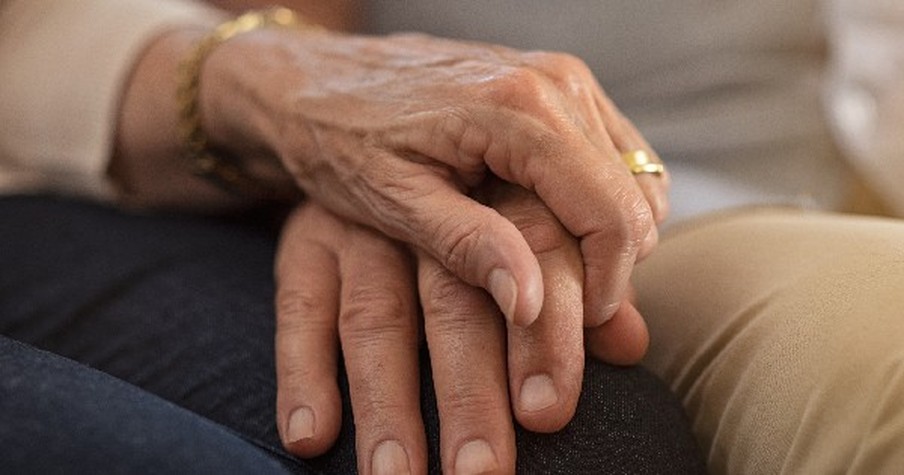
point(783, 334)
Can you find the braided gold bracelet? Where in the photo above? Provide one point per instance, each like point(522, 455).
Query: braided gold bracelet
point(228, 174)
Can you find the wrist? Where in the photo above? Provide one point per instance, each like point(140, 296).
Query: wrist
point(243, 98)
point(148, 165)
point(215, 113)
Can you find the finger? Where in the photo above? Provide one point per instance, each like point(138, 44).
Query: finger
point(473, 241)
point(307, 403)
point(611, 232)
point(546, 359)
point(596, 200)
point(605, 125)
point(378, 329)
point(655, 189)
point(650, 186)
point(466, 340)
point(584, 92)
point(525, 137)
point(627, 138)
point(623, 340)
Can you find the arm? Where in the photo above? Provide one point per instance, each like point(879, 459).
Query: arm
point(63, 106)
point(148, 165)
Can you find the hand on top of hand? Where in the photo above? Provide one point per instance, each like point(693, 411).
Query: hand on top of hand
point(340, 284)
point(394, 132)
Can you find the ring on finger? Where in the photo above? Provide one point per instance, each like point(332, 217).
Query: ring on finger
point(640, 162)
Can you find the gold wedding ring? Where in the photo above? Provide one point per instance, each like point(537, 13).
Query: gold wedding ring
point(639, 161)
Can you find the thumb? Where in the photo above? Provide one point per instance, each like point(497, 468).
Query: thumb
point(482, 248)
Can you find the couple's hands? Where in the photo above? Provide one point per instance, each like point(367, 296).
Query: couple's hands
point(390, 132)
point(342, 284)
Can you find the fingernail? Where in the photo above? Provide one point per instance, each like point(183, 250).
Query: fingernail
point(301, 424)
point(390, 458)
point(537, 393)
point(475, 457)
point(504, 290)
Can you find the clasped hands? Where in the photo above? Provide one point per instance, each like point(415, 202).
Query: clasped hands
point(483, 183)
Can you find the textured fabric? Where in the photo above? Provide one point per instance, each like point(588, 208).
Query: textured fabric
point(783, 333)
point(53, 408)
point(182, 309)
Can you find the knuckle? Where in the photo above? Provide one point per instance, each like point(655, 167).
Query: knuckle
point(543, 233)
point(444, 294)
point(573, 63)
point(634, 219)
point(536, 101)
point(459, 239)
point(469, 402)
point(459, 326)
point(380, 410)
point(383, 256)
point(453, 310)
point(467, 142)
point(453, 123)
point(373, 313)
point(562, 63)
point(520, 88)
point(533, 219)
point(570, 73)
point(295, 305)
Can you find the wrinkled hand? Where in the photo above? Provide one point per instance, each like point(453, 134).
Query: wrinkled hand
point(393, 132)
point(342, 284)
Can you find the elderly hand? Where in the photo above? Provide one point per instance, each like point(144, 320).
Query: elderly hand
point(393, 132)
point(339, 283)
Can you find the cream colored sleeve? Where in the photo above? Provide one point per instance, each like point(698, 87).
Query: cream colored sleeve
point(866, 92)
point(63, 64)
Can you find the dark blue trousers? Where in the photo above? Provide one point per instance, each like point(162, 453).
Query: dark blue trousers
point(144, 344)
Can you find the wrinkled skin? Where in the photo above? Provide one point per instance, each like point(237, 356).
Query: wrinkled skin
point(393, 132)
point(402, 136)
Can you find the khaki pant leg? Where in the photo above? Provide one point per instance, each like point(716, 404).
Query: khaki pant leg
point(783, 334)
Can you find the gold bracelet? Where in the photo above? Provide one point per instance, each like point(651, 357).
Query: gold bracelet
point(228, 174)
